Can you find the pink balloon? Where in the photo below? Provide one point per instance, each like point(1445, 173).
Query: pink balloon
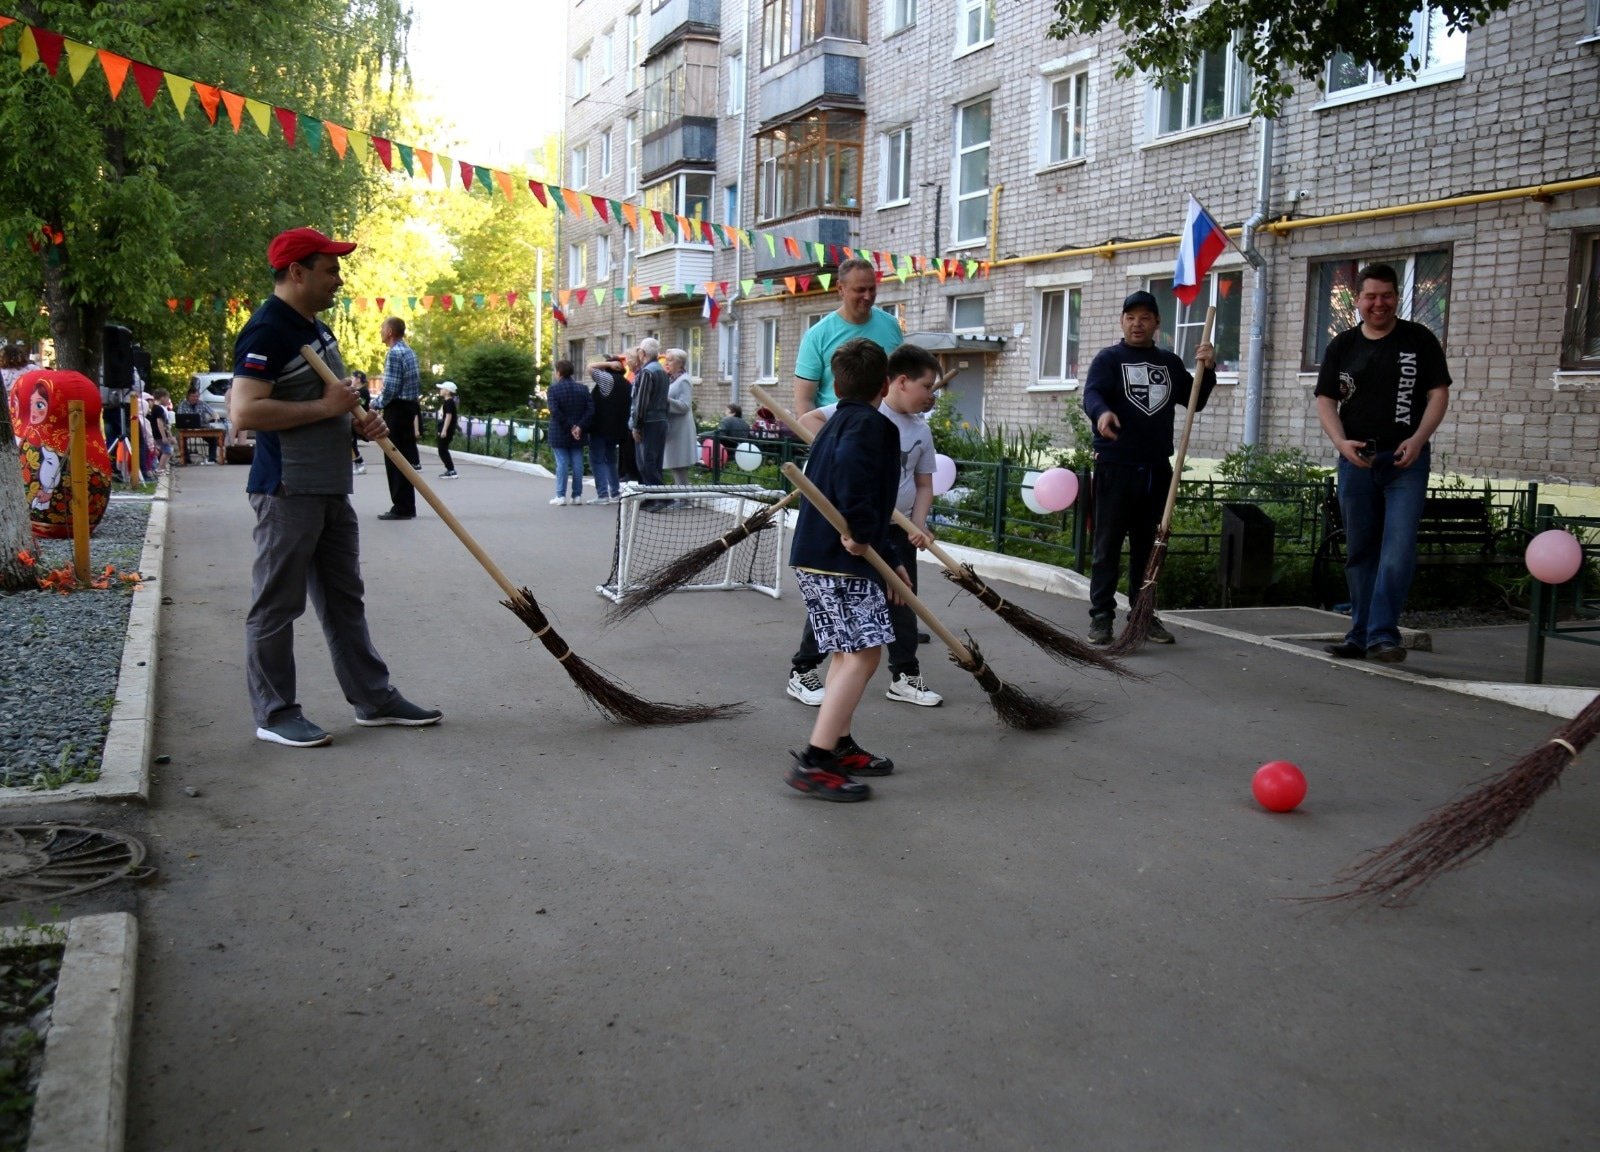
point(1554, 556)
point(1056, 489)
point(944, 474)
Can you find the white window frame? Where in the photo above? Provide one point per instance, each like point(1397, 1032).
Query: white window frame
point(578, 173)
point(965, 9)
point(1594, 21)
point(1073, 114)
point(602, 345)
point(1236, 99)
point(577, 264)
point(605, 154)
point(602, 258)
point(1405, 266)
point(1055, 376)
point(1378, 85)
point(736, 83)
point(962, 196)
point(575, 353)
point(634, 55)
point(894, 169)
point(969, 329)
point(767, 347)
point(727, 349)
point(1183, 324)
point(730, 205)
point(630, 158)
point(580, 73)
point(898, 15)
point(630, 251)
point(692, 339)
point(608, 52)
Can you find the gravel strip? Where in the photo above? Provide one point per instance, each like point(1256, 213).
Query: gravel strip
point(58, 676)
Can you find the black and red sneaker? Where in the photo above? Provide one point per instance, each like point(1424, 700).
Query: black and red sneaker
point(854, 760)
point(825, 783)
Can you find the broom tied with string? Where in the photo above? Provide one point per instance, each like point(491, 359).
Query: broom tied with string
point(1453, 835)
point(1059, 645)
point(1014, 707)
point(610, 698)
point(685, 568)
point(1142, 605)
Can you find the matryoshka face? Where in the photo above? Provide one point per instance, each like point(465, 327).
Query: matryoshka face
point(38, 406)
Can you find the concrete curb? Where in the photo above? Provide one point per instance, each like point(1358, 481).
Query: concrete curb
point(499, 462)
point(125, 757)
point(83, 1093)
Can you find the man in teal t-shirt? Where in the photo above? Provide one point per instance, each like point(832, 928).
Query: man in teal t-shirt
point(855, 316)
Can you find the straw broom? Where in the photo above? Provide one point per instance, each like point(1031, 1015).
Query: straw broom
point(1060, 646)
point(686, 567)
point(1142, 610)
point(1451, 836)
point(610, 698)
point(1014, 707)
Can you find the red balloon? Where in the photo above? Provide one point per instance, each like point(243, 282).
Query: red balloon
point(1279, 786)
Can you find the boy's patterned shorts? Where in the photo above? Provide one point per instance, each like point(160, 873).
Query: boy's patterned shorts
point(848, 613)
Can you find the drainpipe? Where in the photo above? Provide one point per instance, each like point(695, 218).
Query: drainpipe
point(738, 250)
point(1256, 363)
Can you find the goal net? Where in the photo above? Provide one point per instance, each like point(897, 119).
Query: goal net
point(656, 525)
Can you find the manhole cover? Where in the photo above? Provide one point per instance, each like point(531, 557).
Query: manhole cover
point(48, 861)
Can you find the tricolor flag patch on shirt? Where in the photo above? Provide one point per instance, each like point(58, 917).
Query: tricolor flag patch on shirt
point(254, 360)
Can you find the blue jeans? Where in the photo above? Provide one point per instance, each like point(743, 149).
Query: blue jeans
point(569, 462)
point(1382, 507)
point(603, 459)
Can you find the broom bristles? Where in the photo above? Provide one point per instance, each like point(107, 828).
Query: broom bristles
point(1061, 646)
point(1142, 605)
point(1012, 706)
point(685, 568)
point(1452, 836)
point(612, 700)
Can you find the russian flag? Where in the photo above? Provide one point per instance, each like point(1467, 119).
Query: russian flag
point(711, 310)
point(1203, 241)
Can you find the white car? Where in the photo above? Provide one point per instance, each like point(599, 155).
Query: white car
point(214, 391)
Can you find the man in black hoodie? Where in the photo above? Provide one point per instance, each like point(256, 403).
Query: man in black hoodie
point(1130, 396)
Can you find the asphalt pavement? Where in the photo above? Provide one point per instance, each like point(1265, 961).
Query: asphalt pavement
point(531, 928)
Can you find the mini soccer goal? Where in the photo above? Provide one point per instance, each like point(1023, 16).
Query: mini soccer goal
point(656, 525)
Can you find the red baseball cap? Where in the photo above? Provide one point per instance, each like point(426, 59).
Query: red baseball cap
point(298, 243)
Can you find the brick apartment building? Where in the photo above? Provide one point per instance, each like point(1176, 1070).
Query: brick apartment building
point(961, 130)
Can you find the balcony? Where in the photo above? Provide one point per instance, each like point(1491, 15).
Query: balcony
point(688, 140)
point(674, 267)
point(830, 230)
point(828, 77)
point(675, 18)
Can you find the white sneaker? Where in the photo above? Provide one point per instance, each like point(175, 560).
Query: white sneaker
point(361, 469)
point(912, 690)
point(806, 687)
point(559, 500)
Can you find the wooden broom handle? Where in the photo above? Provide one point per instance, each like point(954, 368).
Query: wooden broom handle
point(900, 518)
point(900, 587)
point(1188, 423)
point(513, 593)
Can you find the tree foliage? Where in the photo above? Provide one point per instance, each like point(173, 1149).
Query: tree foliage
point(495, 377)
point(1164, 38)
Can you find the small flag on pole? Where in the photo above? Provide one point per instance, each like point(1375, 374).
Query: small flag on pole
point(1202, 242)
point(558, 315)
point(711, 310)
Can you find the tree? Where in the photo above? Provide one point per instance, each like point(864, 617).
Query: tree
point(1166, 37)
point(495, 377)
point(16, 527)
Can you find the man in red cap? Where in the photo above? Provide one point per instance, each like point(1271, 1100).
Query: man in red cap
point(307, 540)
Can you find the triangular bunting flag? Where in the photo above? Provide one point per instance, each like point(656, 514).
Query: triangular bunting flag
point(338, 136)
point(788, 282)
point(507, 189)
point(11, 305)
point(791, 246)
point(482, 175)
point(616, 209)
point(746, 287)
point(116, 69)
point(27, 50)
point(972, 268)
point(49, 45)
point(385, 150)
point(260, 114)
point(405, 159)
point(556, 198)
point(447, 302)
point(477, 300)
point(538, 191)
point(573, 201)
point(630, 213)
point(345, 303)
point(425, 158)
point(179, 88)
point(232, 101)
point(172, 304)
point(706, 232)
point(805, 283)
point(818, 251)
point(360, 145)
point(311, 130)
point(565, 296)
point(288, 121)
point(381, 301)
point(766, 286)
point(210, 97)
point(361, 303)
point(826, 280)
point(659, 223)
point(601, 208)
point(425, 301)
point(511, 299)
point(617, 294)
point(772, 244)
point(582, 295)
point(4, 20)
point(79, 57)
point(672, 222)
point(149, 81)
point(722, 287)
point(188, 304)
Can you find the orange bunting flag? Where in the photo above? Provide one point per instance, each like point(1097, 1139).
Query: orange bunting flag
point(427, 301)
point(172, 304)
point(425, 158)
point(149, 81)
point(506, 187)
point(573, 201)
point(791, 246)
point(116, 69)
point(4, 20)
point(232, 101)
point(338, 136)
point(789, 282)
point(565, 296)
point(209, 99)
point(631, 215)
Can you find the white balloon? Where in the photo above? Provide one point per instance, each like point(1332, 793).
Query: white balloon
point(1029, 479)
point(475, 427)
point(747, 457)
point(501, 428)
point(944, 474)
point(524, 433)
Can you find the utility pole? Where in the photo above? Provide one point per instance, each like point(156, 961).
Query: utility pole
point(538, 308)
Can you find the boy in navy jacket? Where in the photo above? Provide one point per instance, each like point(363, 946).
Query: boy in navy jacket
point(855, 461)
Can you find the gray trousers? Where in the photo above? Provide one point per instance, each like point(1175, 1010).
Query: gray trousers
point(308, 545)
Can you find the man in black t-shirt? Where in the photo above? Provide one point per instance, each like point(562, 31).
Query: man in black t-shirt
point(1382, 391)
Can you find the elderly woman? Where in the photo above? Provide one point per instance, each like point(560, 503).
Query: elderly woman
point(680, 452)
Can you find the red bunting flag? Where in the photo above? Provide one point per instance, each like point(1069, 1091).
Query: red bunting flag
point(149, 81)
point(447, 302)
point(381, 301)
point(385, 152)
point(511, 299)
point(49, 45)
point(655, 291)
point(582, 295)
point(466, 174)
point(659, 221)
point(805, 283)
point(538, 192)
point(288, 122)
point(601, 209)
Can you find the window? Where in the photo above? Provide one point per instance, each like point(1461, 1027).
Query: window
point(1060, 310)
point(630, 248)
point(790, 25)
point(809, 165)
point(608, 52)
point(898, 14)
point(578, 174)
point(894, 167)
point(680, 82)
point(601, 347)
point(692, 340)
point(972, 173)
point(1067, 119)
point(1219, 90)
point(1581, 347)
point(575, 354)
point(1182, 324)
point(727, 348)
point(577, 264)
point(631, 157)
point(1424, 297)
point(814, 319)
point(1594, 16)
point(974, 24)
point(1437, 52)
point(635, 48)
point(966, 314)
point(602, 258)
point(768, 350)
point(580, 74)
point(735, 84)
point(730, 205)
point(605, 154)
point(686, 194)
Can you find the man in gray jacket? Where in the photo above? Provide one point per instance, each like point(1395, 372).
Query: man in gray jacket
point(648, 417)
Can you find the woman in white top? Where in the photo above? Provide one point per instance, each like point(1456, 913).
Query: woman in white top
point(680, 451)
